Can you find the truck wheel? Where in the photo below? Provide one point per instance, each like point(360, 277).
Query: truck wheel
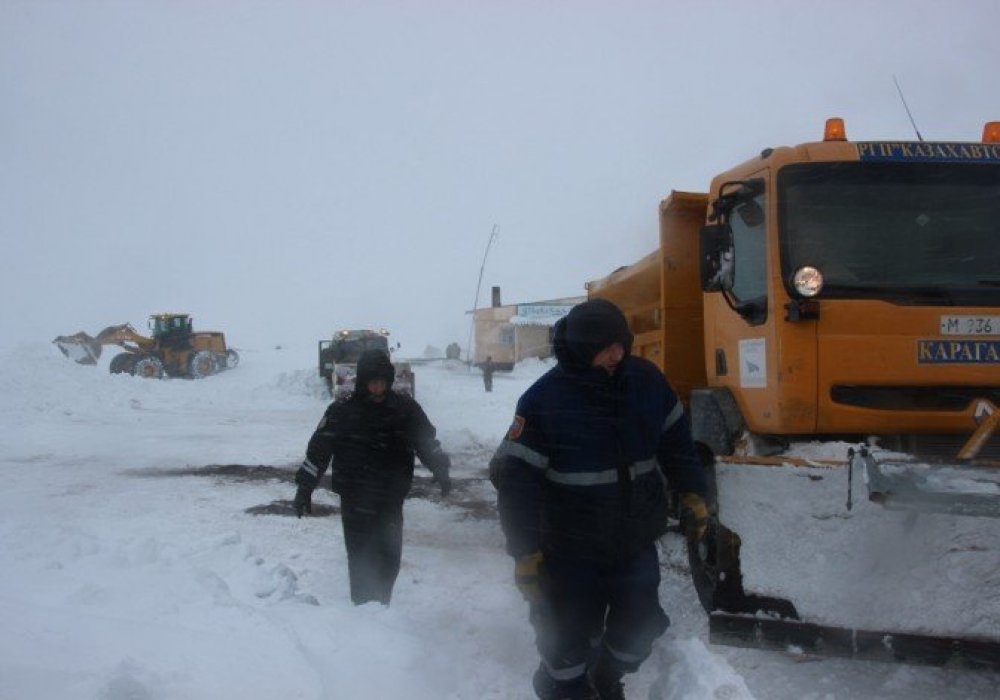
point(715, 561)
point(122, 363)
point(232, 359)
point(148, 367)
point(715, 568)
point(202, 364)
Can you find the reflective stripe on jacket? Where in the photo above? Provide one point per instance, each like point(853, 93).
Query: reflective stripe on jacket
point(581, 473)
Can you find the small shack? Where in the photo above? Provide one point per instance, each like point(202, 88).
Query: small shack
point(511, 333)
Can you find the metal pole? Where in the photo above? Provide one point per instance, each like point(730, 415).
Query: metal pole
point(475, 304)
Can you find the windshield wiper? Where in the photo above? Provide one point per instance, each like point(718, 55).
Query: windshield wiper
point(988, 283)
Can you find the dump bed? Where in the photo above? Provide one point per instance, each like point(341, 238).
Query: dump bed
point(661, 295)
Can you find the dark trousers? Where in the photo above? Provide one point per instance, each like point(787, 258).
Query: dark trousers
point(488, 382)
point(605, 615)
point(373, 535)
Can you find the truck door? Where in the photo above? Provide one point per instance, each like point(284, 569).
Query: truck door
point(740, 341)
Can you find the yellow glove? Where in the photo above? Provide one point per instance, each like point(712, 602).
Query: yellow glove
point(694, 516)
point(526, 576)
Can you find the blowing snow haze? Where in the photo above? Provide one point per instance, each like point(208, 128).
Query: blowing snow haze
point(279, 170)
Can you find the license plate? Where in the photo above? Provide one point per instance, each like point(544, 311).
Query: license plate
point(970, 325)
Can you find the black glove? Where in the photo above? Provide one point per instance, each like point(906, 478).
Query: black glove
point(444, 481)
point(440, 472)
point(305, 478)
point(303, 501)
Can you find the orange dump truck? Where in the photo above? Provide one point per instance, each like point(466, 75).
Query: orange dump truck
point(826, 311)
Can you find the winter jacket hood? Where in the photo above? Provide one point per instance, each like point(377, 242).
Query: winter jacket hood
point(586, 330)
point(373, 364)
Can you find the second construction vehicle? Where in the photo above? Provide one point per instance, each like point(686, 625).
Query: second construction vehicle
point(830, 315)
point(338, 360)
point(172, 349)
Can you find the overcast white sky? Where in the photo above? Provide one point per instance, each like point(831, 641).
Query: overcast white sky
point(280, 169)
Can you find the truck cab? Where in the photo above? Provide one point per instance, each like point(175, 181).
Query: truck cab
point(853, 288)
point(338, 360)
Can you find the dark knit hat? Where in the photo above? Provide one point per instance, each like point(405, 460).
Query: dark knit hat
point(373, 364)
point(586, 330)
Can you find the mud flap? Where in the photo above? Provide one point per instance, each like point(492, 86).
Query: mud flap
point(757, 632)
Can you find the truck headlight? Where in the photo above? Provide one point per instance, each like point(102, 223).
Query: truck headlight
point(808, 281)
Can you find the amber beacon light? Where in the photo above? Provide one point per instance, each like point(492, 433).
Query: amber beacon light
point(991, 132)
point(835, 130)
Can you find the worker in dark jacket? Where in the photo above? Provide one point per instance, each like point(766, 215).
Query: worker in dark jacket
point(582, 501)
point(370, 437)
point(488, 367)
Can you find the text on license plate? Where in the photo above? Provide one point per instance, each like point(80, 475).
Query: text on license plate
point(970, 325)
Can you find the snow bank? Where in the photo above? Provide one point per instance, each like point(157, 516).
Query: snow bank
point(138, 559)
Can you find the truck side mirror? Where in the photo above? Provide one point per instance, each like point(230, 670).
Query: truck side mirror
point(750, 213)
point(718, 264)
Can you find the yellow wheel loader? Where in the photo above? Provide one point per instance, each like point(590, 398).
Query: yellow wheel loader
point(830, 315)
point(173, 349)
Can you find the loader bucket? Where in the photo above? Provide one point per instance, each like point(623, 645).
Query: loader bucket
point(961, 487)
point(79, 347)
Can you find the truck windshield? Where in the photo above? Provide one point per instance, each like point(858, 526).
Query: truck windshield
point(906, 232)
point(350, 350)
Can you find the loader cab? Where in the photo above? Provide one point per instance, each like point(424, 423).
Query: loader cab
point(170, 325)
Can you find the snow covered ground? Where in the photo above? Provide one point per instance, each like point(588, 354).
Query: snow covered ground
point(148, 552)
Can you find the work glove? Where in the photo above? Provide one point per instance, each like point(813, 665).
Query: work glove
point(441, 476)
point(303, 501)
point(527, 576)
point(694, 516)
point(444, 481)
point(305, 478)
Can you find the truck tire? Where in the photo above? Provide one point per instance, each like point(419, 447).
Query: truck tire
point(716, 421)
point(715, 563)
point(715, 560)
point(148, 367)
point(201, 364)
point(122, 363)
point(715, 568)
point(232, 359)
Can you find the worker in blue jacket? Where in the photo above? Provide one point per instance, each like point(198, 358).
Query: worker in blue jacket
point(582, 500)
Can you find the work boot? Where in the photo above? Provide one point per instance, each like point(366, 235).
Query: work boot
point(548, 689)
point(610, 689)
point(607, 682)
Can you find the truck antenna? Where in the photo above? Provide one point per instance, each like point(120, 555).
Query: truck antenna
point(907, 108)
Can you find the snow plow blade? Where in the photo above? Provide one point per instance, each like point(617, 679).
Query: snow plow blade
point(964, 486)
point(956, 489)
point(80, 348)
point(754, 632)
